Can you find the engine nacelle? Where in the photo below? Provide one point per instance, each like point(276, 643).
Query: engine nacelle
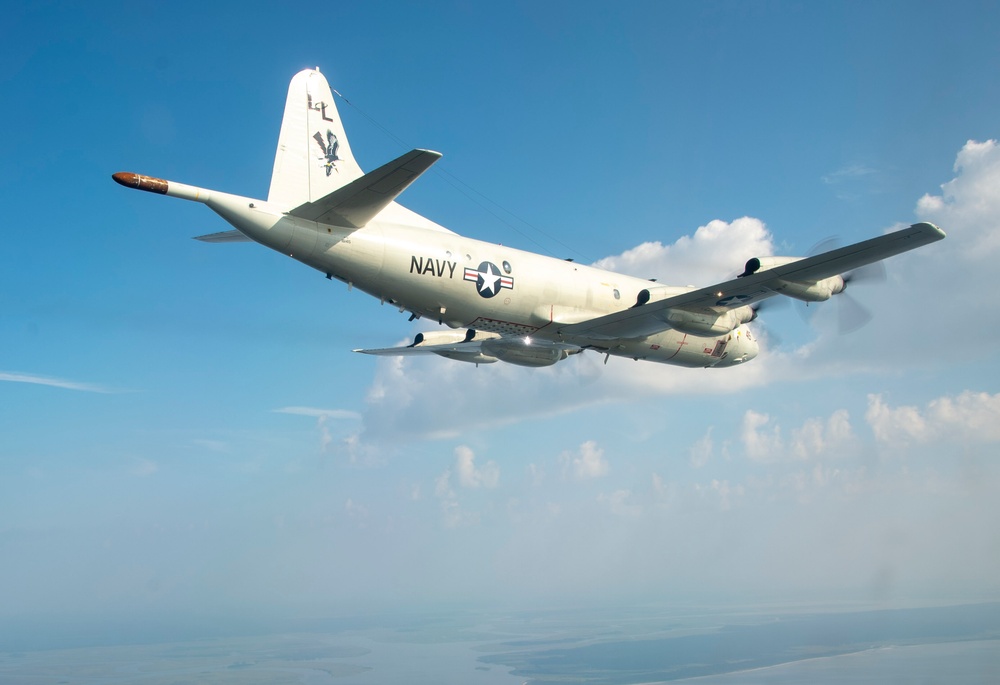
point(807, 291)
point(694, 323)
point(525, 351)
point(757, 263)
point(430, 338)
point(816, 291)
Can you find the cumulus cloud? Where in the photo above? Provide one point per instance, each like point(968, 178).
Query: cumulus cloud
point(760, 442)
point(701, 451)
point(969, 204)
point(587, 462)
point(970, 417)
point(715, 251)
point(722, 491)
point(620, 503)
point(323, 417)
point(469, 476)
point(763, 441)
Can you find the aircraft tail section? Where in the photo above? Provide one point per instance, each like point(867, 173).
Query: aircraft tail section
point(313, 158)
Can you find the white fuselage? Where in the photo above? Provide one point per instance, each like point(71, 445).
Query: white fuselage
point(415, 265)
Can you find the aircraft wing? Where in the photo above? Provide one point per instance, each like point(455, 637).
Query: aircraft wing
point(521, 350)
point(416, 350)
point(358, 202)
point(753, 286)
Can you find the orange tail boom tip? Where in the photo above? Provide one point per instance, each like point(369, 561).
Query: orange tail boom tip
point(147, 183)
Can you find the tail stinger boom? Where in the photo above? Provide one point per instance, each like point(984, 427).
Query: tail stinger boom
point(313, 158)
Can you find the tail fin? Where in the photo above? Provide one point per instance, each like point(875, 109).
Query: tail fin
point(313, 157)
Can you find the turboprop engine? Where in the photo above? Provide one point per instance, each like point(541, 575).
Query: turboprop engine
point(473, 356)
point(707, 322)
point(807, 291)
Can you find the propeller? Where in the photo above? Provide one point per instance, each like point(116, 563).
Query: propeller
point(771, 304)
point(851, 314)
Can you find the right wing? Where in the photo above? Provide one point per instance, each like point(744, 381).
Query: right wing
point(752, 286)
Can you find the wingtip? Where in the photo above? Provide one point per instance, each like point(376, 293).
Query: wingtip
point(931, 230)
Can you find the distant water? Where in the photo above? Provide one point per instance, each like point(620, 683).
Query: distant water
point(610, 646)
point(955, 663)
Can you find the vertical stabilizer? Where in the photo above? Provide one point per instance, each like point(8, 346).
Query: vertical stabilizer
point(313, 157)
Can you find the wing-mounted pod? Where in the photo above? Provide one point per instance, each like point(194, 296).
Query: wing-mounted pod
point(708, 321)
point(528, 351)
point(807, 291)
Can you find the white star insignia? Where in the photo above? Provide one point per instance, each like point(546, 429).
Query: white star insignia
point(491, 280)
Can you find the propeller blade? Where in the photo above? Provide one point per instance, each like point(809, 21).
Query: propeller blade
point(851, 314)
point(870, 273)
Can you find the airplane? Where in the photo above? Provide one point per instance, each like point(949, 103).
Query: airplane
point(499, 303)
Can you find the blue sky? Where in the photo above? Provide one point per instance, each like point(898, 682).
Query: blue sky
point(185, 430)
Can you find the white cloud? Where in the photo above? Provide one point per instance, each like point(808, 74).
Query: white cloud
point(761, 445)
point(536, 474)
point(442, 486)
point(851, 172)
point(469, 476)
point(723, 491)
point(319, 413)
point(143, 467)
point(588, 462)
point(355, 510)
point(619, 503)
point(969, 204)
point(323, 416)
point(34, 379)
point(816, 437)
point(971, 417)
point(716, 250)
point(701, 451)
point(763, 441)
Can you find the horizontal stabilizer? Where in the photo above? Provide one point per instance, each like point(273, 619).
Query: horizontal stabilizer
point(357, 203)
point(224, 237)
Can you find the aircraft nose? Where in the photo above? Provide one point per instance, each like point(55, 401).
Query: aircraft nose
point(747, 347)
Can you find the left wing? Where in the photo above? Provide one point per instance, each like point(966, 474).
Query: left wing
point(482, 348)
point(753, 285)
